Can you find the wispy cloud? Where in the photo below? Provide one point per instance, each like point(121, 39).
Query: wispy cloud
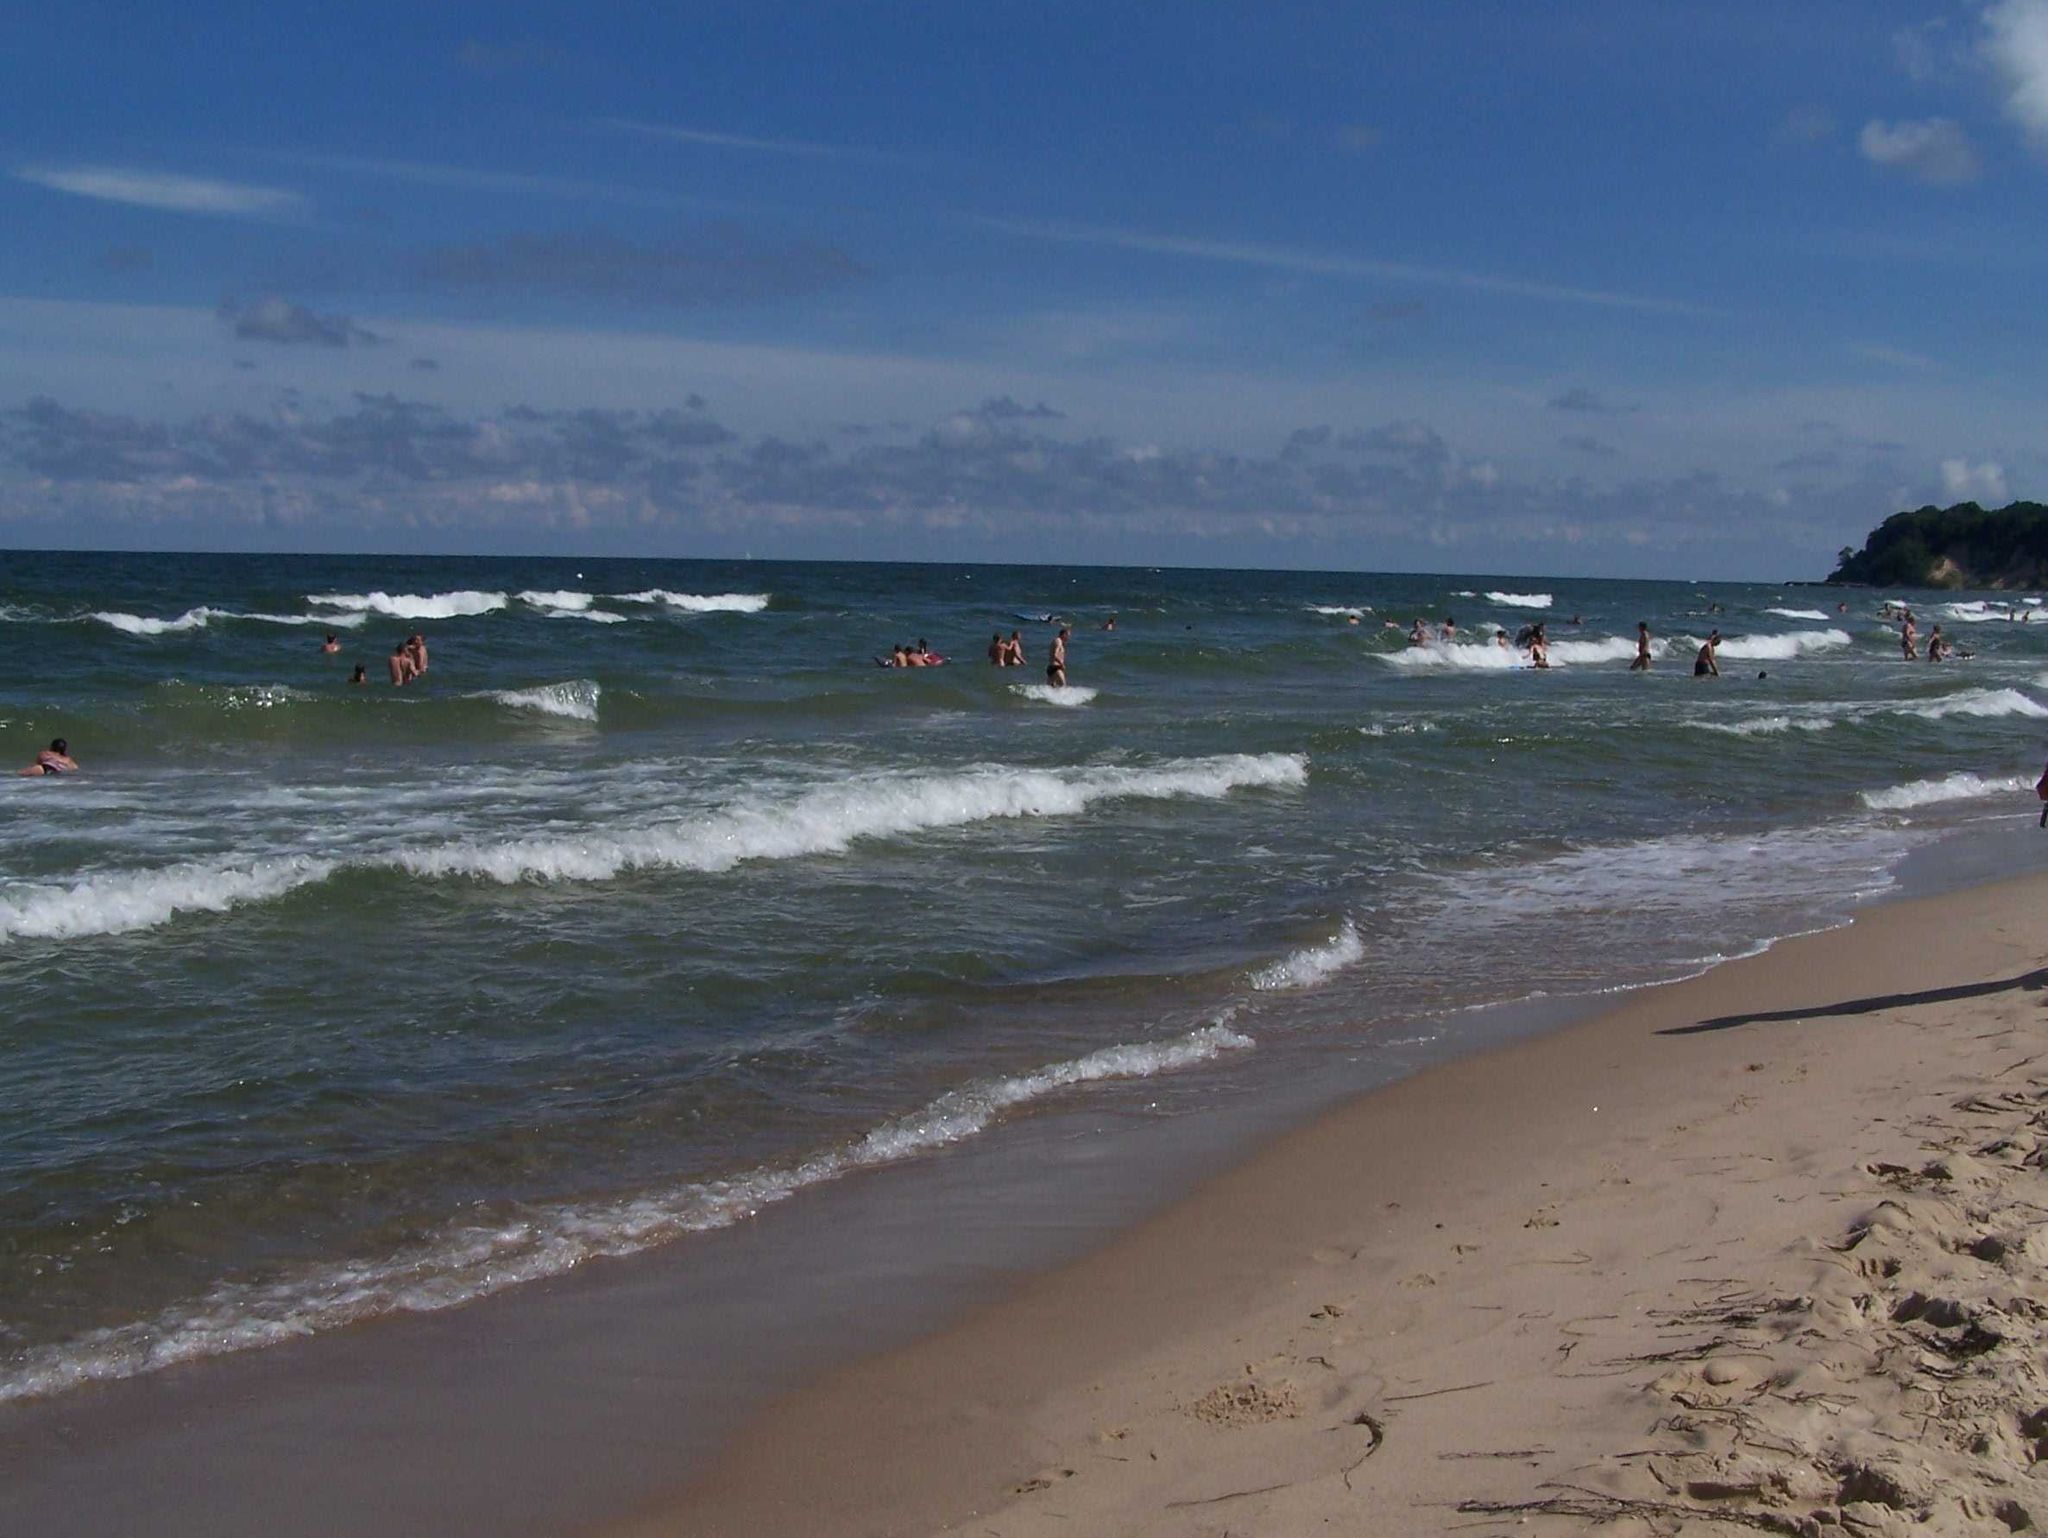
point(470, 178)
point(272, 318)
point(1934, 150)
point(1330, 264)
point(1896, 357)
point(729, 141)
point(164, 191)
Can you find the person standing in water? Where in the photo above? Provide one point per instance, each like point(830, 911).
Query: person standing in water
point(1705, 664)
point(401, 666)
point(998, 654)
point(1056, 668)
point(1015, 658)
point(331, 645)
point(1909, 633)
point(1642, 662)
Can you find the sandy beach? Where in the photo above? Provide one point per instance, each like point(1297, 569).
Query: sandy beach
point(1757, 1251)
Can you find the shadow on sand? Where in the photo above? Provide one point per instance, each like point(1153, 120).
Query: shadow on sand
point(2033, 981)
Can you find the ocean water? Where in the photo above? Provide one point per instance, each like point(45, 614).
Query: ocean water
point(656, 902)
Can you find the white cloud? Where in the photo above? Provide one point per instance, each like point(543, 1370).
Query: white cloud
point(728, 141)
point(2018, 49)
point(159, 190)
point(1326, 264)
point(1933, 150)
point(1976, 483)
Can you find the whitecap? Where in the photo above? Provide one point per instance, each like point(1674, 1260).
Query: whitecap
point(699, 603)
point(1358, 612)
point(1070, 695)
point(1793, 643)
point(1978, 702)
point(1313, 964)
point(143, 624)
point(1951, 787)
point(575, 700)
point(1521, 600)
point(1797, 613)
point(830, 819)
point(117, 902)
point(456, 605)
point(557, 600)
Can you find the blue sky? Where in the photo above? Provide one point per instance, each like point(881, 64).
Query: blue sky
point(1606, 288)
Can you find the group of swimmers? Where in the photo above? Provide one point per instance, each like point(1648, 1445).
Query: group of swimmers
point(1001, 654)
point(919, 656)
point(1939, 647)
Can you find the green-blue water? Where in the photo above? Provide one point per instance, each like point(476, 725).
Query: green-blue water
point(656, 901)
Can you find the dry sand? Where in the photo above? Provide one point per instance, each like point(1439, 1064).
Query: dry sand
point(1760, 1251)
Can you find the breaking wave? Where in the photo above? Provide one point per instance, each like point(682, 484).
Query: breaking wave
point(1072, 695)
point(1521, 600)
point(823, 821)
point(1951, 787)
point(457, 605)
point(576, 700)
point(699, 603)
point(1312, 964)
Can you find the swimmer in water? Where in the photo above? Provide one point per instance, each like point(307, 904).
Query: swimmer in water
point(1642, 662)
point(997, 652)
point(1937, 646)
point(1704, 663)
point(1909, 634)
point(55, 759)
point(416, 648)
point(401, 666)
point(1539, 648)
point(1450, 631)
point(332, 644)
point(360, 676)
point(1418, 634)
point(1110, 623)
point(1500, 639)
point(1015, 659)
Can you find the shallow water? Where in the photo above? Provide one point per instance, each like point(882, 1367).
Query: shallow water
point(657, 901)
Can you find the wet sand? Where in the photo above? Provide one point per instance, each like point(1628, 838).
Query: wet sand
point(1761, 1250)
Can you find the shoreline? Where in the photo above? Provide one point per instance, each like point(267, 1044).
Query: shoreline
point(557, 1406)
point(1365, 1317)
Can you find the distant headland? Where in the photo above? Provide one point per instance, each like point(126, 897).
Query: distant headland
point(1961, 546)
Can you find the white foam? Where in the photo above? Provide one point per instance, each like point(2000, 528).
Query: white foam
point(557, 600)
point(1977, 611)
point(326, 621)
point(1485, 657)
point(1520, 600)
point(1396, 728)
point(829, 819)
point(699, 603)
point(117, 902)
point(1979, 702)
point(1359, 612)
point(822, 821)
point(1070, 695)
point(1793, 643)
point(1951, 787)
point(476, 1260)
point(1797, 613)
point(456, 605)
point(199, 618)
point(1763, 726)
point(143, 624)
point(595, 616)
point(1312, 964)
point(576, 700)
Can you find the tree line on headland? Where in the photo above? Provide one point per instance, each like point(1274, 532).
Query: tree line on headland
point(1961, 546)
